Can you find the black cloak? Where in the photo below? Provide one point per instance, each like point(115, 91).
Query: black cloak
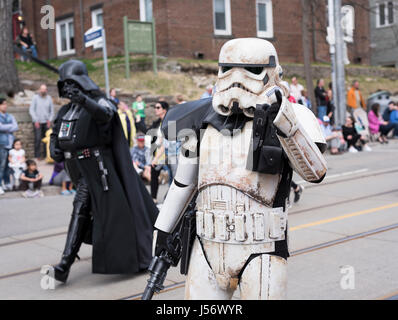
point(123, 216)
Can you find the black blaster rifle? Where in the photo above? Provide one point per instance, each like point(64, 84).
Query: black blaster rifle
point(177, 246)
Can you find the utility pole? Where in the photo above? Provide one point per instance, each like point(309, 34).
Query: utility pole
point(339, 85)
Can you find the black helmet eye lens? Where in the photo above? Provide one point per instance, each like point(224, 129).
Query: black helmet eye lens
point(255, 70)
point(225, 69)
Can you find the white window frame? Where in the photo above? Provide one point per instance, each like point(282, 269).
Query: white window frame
point(270, 20)
point(68, 51)
point(387, 23)
point(94, 14)
point(228, 29)
point(143, 16)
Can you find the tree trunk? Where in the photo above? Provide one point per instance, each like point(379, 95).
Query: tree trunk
point(9, 81)
point(305, 5)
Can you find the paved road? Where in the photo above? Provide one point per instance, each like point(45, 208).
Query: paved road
point(360, 194)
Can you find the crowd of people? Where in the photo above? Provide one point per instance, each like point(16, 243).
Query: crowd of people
point(154, 157)
point(360, 126)
point(19, 173)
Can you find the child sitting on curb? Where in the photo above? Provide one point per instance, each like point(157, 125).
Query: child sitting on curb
point(31, 181)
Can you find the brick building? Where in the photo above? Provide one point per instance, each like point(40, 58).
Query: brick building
point(189, 28)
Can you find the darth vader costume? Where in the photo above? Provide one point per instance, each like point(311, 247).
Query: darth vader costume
point(112, 209)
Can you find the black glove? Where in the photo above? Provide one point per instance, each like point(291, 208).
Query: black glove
point(74, 93)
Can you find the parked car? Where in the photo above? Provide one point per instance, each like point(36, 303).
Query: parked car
point(380, 97)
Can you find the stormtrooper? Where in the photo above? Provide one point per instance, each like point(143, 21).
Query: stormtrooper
point(239, 151)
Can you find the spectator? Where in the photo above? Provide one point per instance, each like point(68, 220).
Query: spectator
point(180, 99)
point(208, 93)
point(61, 179)
point(42, 112)
point(158, 162)
point(378, 126)
point(354, 140)
point(17, 162)
point(330, 105)
point(31, 180)
point(332, 138)
point(127, 120)
point(296, 90)
point(387, 113)
point(354, 98)
point(142, 158)
point(113, 96)
point(305, 99)
point(139, 107)
point(298, 190)
point(27, 43)
point(321, 98)
point(8, 125)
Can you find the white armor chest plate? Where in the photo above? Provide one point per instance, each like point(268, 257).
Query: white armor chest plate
point(223, 162)
point(235, 204)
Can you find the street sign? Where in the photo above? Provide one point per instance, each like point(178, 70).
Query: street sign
point(93, 36)
point(139, 37)
point(97, 36)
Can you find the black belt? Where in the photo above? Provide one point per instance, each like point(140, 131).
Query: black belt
point(95, 152)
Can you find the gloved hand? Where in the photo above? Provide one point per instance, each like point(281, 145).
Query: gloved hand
point(73, 92)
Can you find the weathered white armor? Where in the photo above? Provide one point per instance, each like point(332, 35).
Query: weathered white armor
point(236, 222)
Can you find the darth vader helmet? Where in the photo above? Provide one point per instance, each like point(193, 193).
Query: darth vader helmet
point(248, 69)
point(75, 71)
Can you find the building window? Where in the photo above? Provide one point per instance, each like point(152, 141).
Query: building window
point(385, 14)
point(222, 17)
point(265, 27)
point(146, 10)
point(97, 20)
point(65, 34)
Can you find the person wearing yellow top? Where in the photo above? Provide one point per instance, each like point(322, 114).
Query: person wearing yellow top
point(127, 120)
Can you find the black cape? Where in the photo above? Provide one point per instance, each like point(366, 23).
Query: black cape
point(123, 217)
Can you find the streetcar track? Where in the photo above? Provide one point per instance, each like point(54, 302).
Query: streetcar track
point(290, 213)
point(313, 248)
point(344, 201)
point(181, 284)
point(178, 285)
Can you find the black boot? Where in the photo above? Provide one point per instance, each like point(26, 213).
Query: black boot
point(76, 232)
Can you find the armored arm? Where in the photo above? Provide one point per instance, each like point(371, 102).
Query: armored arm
point(302, 140)
point(182, 189)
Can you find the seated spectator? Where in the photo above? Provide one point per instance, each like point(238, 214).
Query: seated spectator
point(25, 40)
point(332, 138)
point(142, 158)
point(16, 162)
point(61, 179)
point(378, 126)
point(354, 140)
point(31, 180)
point(394, 117)
point(387, 113)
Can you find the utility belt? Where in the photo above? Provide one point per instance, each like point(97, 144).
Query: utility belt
point(95, 152)
point(242, 227)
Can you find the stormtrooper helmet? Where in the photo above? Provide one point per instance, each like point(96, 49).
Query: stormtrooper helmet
point(248, 70)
